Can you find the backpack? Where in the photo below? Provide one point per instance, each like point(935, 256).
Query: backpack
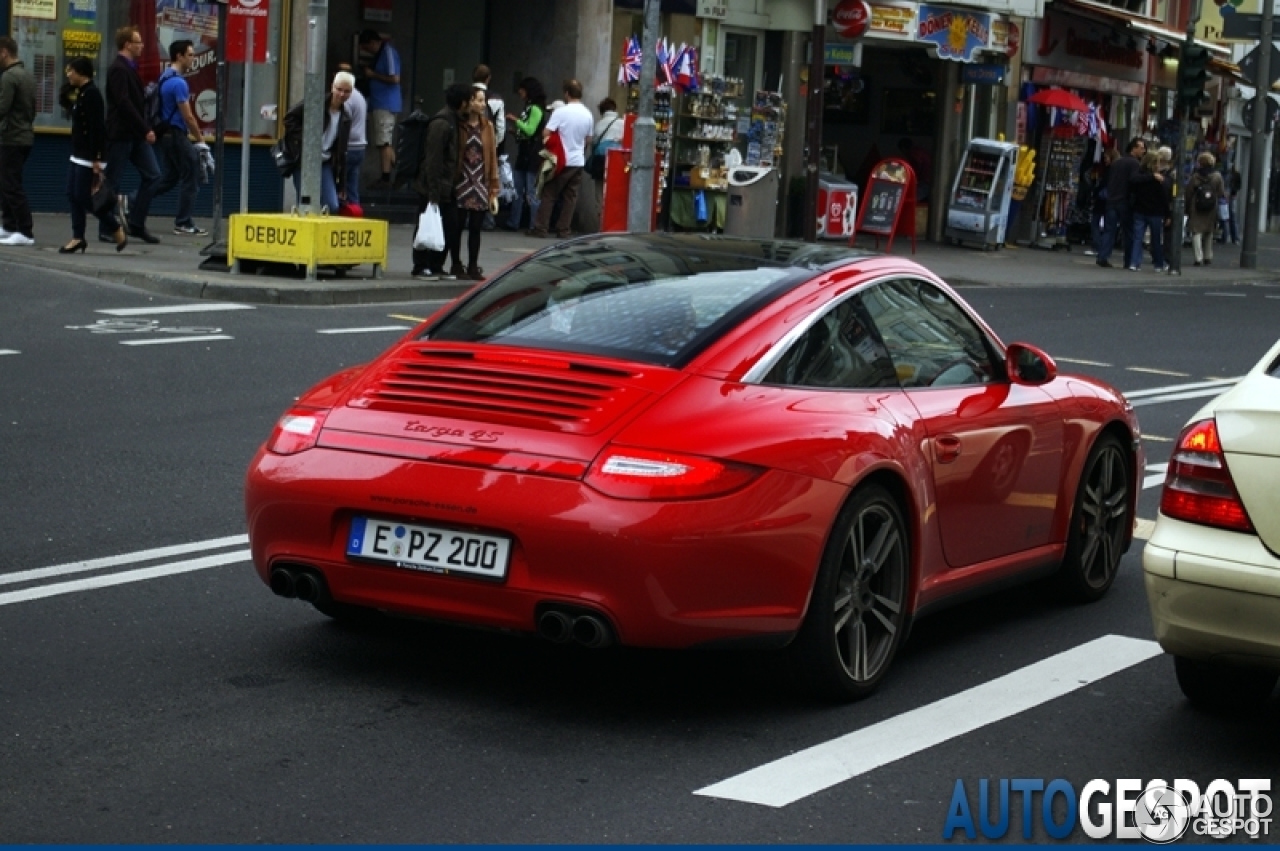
point(1205, 202)
point(411, 135)
point(153, 104)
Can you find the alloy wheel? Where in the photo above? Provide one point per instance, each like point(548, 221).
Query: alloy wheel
point(870, 592)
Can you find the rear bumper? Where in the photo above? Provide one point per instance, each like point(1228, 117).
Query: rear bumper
point(666, 574)
point(1222, 607)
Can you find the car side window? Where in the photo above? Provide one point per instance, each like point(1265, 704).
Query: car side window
point(933, 343)
point(840, 351)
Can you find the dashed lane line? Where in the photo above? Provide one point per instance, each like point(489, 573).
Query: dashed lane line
point(1228, 295)
point(1153, 371)
point(175, 308)
point(1082, 362)
point(374, 329)
point(10, 352)
point(791, 778)
point(407, 318)
point(161, 341)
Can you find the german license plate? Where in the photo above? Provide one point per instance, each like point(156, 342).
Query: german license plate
point(428, 548)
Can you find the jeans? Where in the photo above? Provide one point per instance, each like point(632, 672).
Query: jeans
point(328, 189)
point(14, 209)
point(79, 193)
point(1142, 222)
point(1097, 220)
point(561, 189)
point(526, 182)
point(1119, 223)
point(139, 153)
point(355, 161)
point(181, 169)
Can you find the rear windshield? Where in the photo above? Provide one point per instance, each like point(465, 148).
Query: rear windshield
point(656, 299)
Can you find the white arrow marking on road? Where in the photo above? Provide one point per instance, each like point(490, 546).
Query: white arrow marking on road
point(791, 778)
point(174, 308)
point(110, 579)
point(160, 341)
point(400, 328)
point(127, 558)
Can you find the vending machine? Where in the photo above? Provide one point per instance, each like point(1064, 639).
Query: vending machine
point(978, 209)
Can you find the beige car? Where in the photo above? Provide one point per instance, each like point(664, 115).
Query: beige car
point(1212, 566)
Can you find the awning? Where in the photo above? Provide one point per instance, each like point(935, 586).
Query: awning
point(1146, 26)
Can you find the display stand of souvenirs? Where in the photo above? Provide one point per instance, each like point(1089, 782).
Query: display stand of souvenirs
point(662, 115)
point(764, 132)
point(1060, 159)
point(704, 134)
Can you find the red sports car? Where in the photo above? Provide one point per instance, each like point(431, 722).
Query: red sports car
point(677, 440)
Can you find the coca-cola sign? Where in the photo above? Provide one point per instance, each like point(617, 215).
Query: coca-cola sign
point(851, 18)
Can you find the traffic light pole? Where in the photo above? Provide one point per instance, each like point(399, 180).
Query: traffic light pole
point(1258, 143)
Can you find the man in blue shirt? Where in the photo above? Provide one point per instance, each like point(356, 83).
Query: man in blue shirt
point(179, 156)
point(383, 74)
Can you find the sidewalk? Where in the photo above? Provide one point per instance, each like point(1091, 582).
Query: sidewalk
point(174, 267)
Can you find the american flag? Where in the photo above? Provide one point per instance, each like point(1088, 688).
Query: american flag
point(663, 75)
point(629, 70)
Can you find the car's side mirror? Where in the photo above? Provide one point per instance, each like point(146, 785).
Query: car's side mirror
point(1028, 365)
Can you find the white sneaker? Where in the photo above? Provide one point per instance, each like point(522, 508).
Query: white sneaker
point(5, 234)
point(17, 239)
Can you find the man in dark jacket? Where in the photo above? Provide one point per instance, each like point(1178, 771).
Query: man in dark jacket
point(437, 176)
point(129, 136)
point(1119, 215)
point(17, 111)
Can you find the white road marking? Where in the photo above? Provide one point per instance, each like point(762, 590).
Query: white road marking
point(400, 328)
point(1142, 529)
point(1272, 296)
point(1154, 371)
point(108, 580)
point(1082, 361)
point(1158, 472)
point(814, 769)
point(1220, 383)
point(175, 308)
point(414, 319)
point(1178, 397)
point(1163, 292)
point(127, 558)
point(1229, 295)
point(160, 341)
point(10, 352)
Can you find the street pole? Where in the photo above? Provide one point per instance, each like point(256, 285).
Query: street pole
point(313, 96)
point(644, 133)
point(217, 246)
point(1258, 143)
point(813, 120)
point(1180, 156)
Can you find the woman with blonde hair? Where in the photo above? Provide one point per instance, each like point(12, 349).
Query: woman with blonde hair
point(1203, 191)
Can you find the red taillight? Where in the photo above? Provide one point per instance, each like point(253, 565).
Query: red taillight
point(1198, 487)
point(628, 473)
point(296, 431)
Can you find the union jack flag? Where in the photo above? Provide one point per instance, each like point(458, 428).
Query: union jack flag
point(629, 70)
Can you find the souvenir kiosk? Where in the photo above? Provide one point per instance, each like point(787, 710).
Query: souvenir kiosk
point(978, 209)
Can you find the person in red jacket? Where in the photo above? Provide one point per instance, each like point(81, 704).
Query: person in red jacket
point(129, 136)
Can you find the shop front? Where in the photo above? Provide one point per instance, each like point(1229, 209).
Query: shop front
point(52, 32)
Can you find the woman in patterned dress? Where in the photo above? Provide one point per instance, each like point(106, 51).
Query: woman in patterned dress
point(476, 187)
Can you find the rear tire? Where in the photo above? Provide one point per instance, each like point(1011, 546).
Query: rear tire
point(1216, 686)
point(858, 616)
point(1101, 520)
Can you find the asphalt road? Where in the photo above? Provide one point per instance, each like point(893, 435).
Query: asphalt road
point(197, 707)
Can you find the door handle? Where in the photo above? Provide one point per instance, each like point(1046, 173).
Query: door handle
point(946, 448)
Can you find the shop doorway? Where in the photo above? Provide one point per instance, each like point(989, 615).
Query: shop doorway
point(743, 54)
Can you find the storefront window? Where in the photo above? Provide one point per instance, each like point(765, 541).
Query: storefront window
point(846, 96)
point(50, 32)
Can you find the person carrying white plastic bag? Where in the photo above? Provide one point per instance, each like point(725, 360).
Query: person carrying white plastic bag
point(434, 182)
point(430, 233)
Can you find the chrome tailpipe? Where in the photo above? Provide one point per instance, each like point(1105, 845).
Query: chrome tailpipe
point(591, 631)
point(555, 626)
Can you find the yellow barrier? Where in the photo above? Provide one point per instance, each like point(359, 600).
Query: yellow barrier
point(310, 241)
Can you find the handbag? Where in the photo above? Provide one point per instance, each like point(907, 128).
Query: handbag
point(102, 196)
point(595, 162)
point(1224, 210)
point(286, 162)
point(430, 233)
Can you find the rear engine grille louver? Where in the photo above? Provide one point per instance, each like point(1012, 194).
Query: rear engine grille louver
point(529, 390)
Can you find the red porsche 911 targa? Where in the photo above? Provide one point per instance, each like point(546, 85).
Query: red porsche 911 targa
point(686, 440)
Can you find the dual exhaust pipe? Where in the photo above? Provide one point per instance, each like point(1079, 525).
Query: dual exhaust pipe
point(560, 627)
point(300, 583)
